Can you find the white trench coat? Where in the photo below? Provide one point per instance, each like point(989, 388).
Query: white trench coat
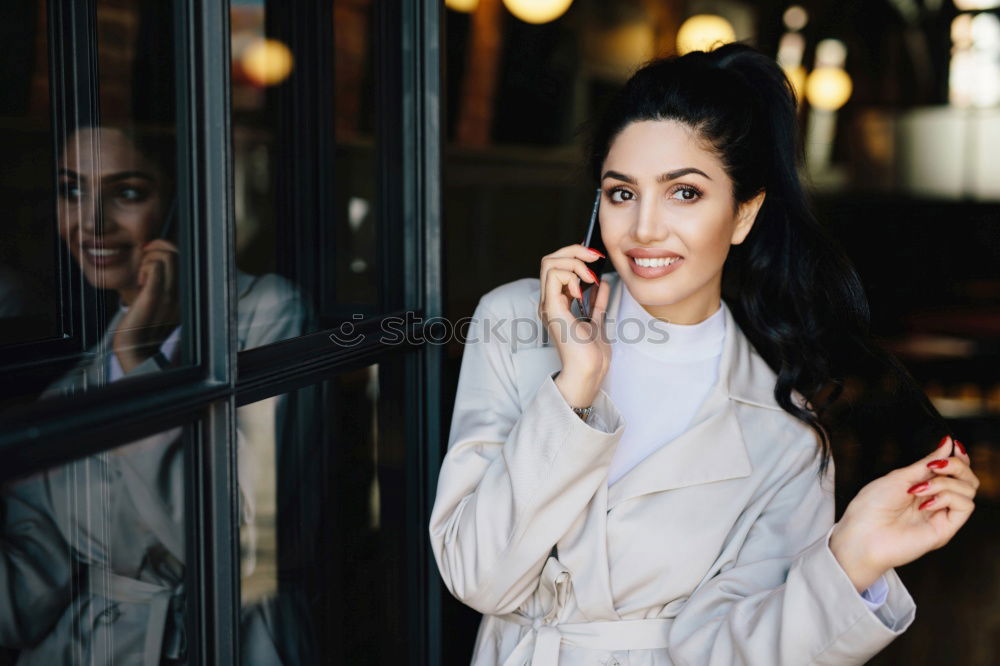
point(92, 553)
point(712, 551)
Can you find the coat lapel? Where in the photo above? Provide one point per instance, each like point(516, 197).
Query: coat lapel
point(713, 448)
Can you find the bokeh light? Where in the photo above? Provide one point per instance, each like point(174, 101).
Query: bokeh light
point(464, 6)
point(795, 18)
point(828, 88)
point(267, 62)
point(537, 11)
point(703, 32)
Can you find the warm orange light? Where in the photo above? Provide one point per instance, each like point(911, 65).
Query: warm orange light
point(974, 5)
point(828, 88)
point(464, 6)
point(797, 77)
point(537, 11)
point(267, 62)
point(703, 32)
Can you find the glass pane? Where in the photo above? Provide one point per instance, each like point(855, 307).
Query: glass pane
point(93, 290)
point(28, 269)
point(323, 528)
point(304, 156)
point(92, 556)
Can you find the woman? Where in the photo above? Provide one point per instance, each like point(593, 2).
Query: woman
point(620, 503)
point(95, 550)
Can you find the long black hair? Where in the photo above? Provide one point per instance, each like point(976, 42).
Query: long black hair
point(789, 284)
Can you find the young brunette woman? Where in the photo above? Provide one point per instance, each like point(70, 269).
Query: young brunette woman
point(93, 551)
point(668, 499)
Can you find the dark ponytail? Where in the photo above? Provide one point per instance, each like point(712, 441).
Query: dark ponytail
point(789, 285)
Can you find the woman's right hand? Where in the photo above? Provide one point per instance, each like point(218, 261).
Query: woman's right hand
point(155, 312)
point(582, 345)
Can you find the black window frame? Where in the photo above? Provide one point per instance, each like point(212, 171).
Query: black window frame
point(408, 99)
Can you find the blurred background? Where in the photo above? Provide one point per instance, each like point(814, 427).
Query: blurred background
point(900, 116)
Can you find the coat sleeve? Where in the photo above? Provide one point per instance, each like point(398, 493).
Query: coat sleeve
point(34, 564)
point(511, 483)
point(785, 600)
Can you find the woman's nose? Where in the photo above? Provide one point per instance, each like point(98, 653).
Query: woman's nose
point(93, 218)
point(649, 228)
point(88, 216)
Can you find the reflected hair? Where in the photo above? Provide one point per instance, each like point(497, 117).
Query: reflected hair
point(789, 285)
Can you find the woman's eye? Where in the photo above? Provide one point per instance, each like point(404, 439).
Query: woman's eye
point(70, 191)
point(619, 191)
point(686, 194)
point(131, 194)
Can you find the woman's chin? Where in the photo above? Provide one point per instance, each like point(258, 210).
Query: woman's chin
point(113, 279)
point(651, 293)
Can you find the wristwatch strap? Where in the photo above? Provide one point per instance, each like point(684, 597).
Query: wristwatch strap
point(583, 412)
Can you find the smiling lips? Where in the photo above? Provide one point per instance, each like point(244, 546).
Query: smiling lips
point(649, 264)
point(103, 254)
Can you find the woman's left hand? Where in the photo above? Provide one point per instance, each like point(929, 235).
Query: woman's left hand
point(910, 511)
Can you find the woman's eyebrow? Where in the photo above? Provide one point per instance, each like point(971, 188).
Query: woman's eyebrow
point(662, 178)
point(111, 178)
point(125, 175)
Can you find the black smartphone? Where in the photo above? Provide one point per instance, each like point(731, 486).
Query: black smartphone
point(592, 240)
point(167, 229)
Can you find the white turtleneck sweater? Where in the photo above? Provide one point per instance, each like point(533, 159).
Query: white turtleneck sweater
point(656, 364)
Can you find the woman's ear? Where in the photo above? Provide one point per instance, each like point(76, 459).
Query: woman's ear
point(746, 216)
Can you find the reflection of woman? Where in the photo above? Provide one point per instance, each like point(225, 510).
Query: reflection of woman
point(688, 518)
point(95, 549)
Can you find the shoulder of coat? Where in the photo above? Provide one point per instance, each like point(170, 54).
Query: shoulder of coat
point(269, 287)
point(518, 297)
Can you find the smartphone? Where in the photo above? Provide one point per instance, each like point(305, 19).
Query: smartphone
point(168, 222)
point(593, 240)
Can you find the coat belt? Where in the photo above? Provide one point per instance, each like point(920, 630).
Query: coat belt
point(165, 622)
point(543, 641)
point(547, 634)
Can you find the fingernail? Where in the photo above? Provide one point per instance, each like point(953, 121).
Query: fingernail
point(926, 504)
point(918, 488)
point(937, 464)
point(593, 275)
point(597, 253)
point(944, 440)
point(961, 447)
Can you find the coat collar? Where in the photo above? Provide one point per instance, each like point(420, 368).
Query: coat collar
point(714, 447)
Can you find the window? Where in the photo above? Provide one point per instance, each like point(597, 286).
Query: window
point(259, 371)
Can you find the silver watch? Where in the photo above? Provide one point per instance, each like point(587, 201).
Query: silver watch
point(583, 412)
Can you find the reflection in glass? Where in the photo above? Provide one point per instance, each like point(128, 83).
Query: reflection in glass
point(303, 151)
point(109, 220)
point(27, 264)
point(92, 556)
point(109, 227)
point(325, 558)
point(117, 218)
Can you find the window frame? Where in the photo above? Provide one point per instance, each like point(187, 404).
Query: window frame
point(57, 431)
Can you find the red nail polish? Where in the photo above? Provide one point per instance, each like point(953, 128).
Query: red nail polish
point(597, 253)
point(918, 488)
point(944, 440)
point(937, 464)
point(596, 279)
point(926, 504)
point(961, 447)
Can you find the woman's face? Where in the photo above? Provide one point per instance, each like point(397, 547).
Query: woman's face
point(110, 204)
point(665, 194)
